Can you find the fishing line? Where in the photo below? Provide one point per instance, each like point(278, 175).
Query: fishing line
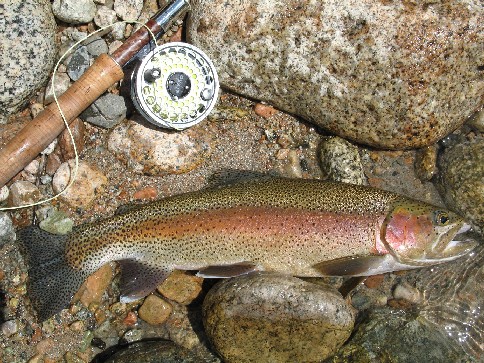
point(73, 175)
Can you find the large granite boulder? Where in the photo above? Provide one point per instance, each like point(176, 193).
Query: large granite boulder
point(390, 74)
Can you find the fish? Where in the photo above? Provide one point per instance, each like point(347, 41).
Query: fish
point(299, 227)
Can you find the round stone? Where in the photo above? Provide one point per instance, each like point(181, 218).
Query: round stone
point(264, 317)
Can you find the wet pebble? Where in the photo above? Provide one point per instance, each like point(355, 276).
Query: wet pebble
point(28, 49)
point(88, 183)
point(341, 162)
point(155, 310)
point(155, 151)
point(62, 82)
point(364, 299)
point(477, 121)
point(406, 292)
point(107, 111)
point(74, 11)
point(263, 317)
point(181, 287)
point(461, 180)
point(22, 193)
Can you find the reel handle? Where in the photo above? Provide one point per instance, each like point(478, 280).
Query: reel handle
point(44, 128)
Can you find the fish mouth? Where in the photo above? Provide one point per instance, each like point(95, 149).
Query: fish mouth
point(456, 242)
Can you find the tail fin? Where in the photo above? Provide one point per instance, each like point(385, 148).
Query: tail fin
point(52, 282)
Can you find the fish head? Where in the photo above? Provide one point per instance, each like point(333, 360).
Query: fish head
point(419, 234)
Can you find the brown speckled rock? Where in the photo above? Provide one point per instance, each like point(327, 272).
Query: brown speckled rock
point(263, 317)
point(181, 287)
point(95, 285)
point(387, 74)
point(155, 310)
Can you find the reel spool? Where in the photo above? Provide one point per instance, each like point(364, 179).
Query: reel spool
point(175, 86)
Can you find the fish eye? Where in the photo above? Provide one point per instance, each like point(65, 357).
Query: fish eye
point(441, 218)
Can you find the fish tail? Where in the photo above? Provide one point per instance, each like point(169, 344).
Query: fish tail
point(52, 282)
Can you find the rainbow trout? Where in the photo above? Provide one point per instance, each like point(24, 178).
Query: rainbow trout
point(294, 226)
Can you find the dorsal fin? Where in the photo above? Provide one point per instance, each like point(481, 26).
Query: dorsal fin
point(232, 176)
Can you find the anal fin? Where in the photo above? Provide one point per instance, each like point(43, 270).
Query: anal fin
point(138, 279)
point(226, 271)
point(358, 266)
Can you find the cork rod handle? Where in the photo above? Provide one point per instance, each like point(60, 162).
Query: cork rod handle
point(44, 128)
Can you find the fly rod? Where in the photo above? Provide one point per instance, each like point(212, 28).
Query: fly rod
point(105, 71)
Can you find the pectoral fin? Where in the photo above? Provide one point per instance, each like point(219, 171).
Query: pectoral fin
point(358, 266)
point(226, 271)
point(138, 279)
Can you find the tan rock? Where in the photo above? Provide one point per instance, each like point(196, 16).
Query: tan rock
point(181, 287)
point(155, 310)
point(264, 110)
point(92, 290)
point(89, 180)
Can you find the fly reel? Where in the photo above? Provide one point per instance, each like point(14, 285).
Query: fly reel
point(175, 86)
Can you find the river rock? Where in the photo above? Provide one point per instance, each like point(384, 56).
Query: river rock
point(341, 162)
point(28, 50)
point(181, 287)
point(88, 183)
point(154, 151)
point(156, 352)
point(387, 74)
point(155, 310)
point(79, 63)
point(446, 327)
point(22, 193)
point(461, 180)
point(128, 9)
point(107, 111)
point(74, 11)
point(264, 317)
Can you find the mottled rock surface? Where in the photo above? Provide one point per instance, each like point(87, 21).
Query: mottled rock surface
point(340, 161)
point(74, 11)
point(107, 111)
point(388, 74)
point(461, 180)
point(28, 50)
point(88, 183)
point(263, 317)
point(154, 151)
